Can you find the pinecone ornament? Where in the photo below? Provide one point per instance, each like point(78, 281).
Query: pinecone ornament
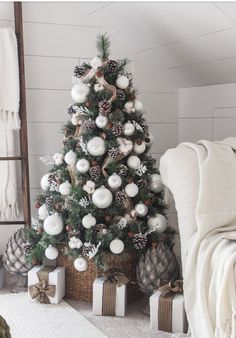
point(100, 228)
point(104, 107)
point(88, 125)
point(79, 71)
point(95, 172)
point(139, 241)
point(4, 329)
point(111, 66)
point(49, 202)
point(117, 129)
point(156, 266)
point(71, 110)
point(121, 198)
point(120, 95)
point(113, 152)
point(123, 170)
point(14, 257)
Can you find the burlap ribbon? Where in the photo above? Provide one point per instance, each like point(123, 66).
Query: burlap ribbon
point(168, 292)
point(41, 291)
point(113, 280)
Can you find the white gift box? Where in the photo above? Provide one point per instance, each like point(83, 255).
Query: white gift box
point(121, 298)
point(179, 318)
point(56, 277)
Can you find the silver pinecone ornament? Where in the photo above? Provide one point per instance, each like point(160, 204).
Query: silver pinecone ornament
point(158, 265)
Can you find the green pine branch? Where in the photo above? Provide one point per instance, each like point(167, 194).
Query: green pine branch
point(103, 46)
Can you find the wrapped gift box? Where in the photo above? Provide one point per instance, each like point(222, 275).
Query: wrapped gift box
point(179, 320)
point(102, 300)
point(55, 277)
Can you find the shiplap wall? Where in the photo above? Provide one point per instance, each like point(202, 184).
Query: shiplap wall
point(56, 37)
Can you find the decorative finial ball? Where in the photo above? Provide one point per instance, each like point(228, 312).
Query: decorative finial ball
point(88, 221)
point(53, 225)
point(96, 146)
point(51, 252)
point(102, 198)
point(70, 157)
point(65, 188)
point(133, 162)
point(82, 165)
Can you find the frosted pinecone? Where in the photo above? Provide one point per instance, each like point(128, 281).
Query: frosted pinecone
point(71, 110)
point(95, 172)
point(111, 66)
point(117, 129)
point(79, 71)
point(149, 160)
point(120, 197)
point(120, 95)
point(123, 170)
point(139, 241)
point(104, 107)
point(100, 228)
point(88, 125)
point(49, 202)
point(113, 152)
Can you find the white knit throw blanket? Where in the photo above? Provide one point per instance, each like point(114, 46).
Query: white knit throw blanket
point(9, 120)
point(209, 284)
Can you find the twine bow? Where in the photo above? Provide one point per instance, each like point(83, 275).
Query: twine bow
point(41, 291)
point(171, 288)
point(116, 278)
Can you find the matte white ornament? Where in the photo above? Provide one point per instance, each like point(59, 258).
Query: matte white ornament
point(141, 209)
point(45, 182)
point(131, 189)
point(114, 181)
point(75, 243)
point(80, 264)
point(122, 82)
point(129, 129)
point(70, 157)
point(117, 246)
point(58, 158)
point(155, 184)
point(138, 106)
point(53, 225)
point(101, 121)
point(88, 221)
point(51, 252)
point(133, 162)
point(43, 212)
point(157, 223)
point(82, 165)
point(102, 198)
point(65, 188)
point(79, 92)
point(96, 146)
point(140, 148)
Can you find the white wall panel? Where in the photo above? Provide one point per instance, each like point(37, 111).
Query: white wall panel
point(37, 170)
point(6, 11)
point(223, 127)
point(193, 130)
point(165, 136)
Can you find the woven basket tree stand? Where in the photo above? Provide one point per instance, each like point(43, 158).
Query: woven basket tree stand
point(79, 285)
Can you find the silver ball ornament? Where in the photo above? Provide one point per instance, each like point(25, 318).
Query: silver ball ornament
point(141, 209)
point(88, 221)
point(129, 129)
point(157, 223)
point(65, 188)
point(43, 212)
point(101, 121)
point(82, 165)
point(131, 189)
point(155, 184)
point(133, 162)
point(102, 198)
point(53, 225)
point(96, 146)
point(80, 264)
point(117, 246)
point(122, 82)
point(140, 148)
point(51, 252)
point(114, 181)
point(45, 182)
point(70, 157)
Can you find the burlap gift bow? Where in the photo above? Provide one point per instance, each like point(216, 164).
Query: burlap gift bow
point(116, 278)
point(41, 291)
point(171, 287)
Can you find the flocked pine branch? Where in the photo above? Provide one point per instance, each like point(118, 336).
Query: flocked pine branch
point(103, 46)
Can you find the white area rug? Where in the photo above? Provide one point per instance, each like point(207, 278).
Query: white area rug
point(31, 320)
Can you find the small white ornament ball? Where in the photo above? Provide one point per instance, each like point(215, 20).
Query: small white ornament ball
point(58, 158)
point(122, 82)
point(82, 165)
point(70, 157)
point(51, 252)
point(88, 221)
point(138, 106)
point(140, 148)
point(131, 189)
point(114, 181)
point(102, 198)
point(117, 246)
point(53, 225)
point(101, 121)
point(65, 188)
point(79, 92)
point(141, 209)
point(45, 182)
point(96, 146)
point(43, 212)
point(129, 129)
point(133, 162)
point(157, 223)
point(80, 264)
point(156, 184)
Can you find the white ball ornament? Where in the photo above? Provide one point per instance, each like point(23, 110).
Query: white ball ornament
point(138, 106)
point(141, 209)
point(102, 198)
point(122, 82)
point(114, 181)
point(70, 157)
point(129, 129)
point(131, 189)
point(157, 223)
point(117, 246)
point(88, 221)
point(133, 162)
point(80, 264)
point(82, 165)
point(43, 212)
point(140, 148)
point(51, 252)
point(101, 121)
point(79, 92)
point(65, 188)
point(96, 146)
point(53, 225)
point(45, 182)
point(155, 184)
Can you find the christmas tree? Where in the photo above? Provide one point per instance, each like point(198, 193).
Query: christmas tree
point(104, 192)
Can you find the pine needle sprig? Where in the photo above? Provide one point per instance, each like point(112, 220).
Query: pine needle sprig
point(103, 46)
